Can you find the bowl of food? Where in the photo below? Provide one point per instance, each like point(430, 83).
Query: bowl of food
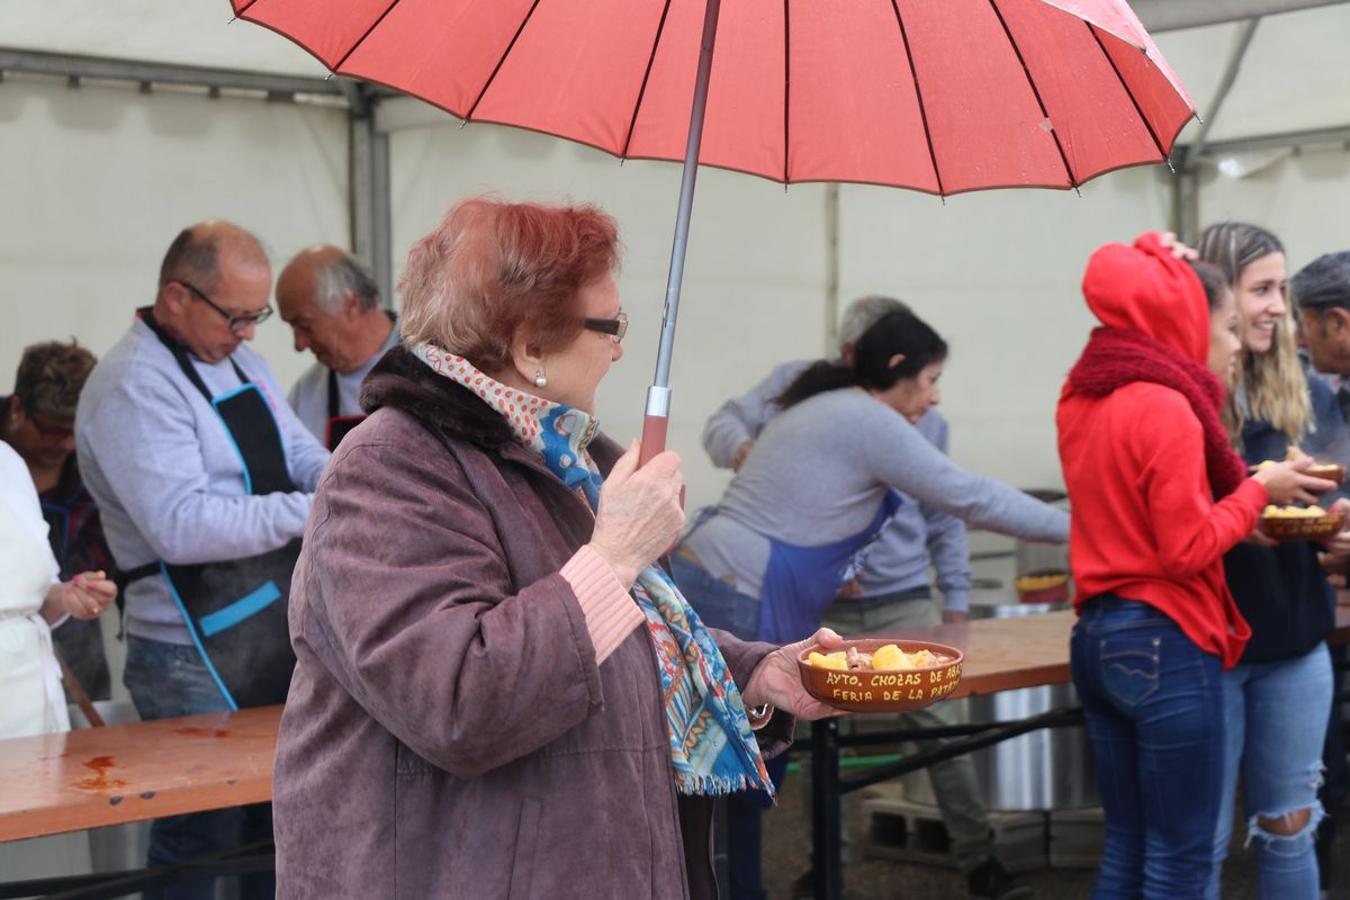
point(1327, 471)
point(881, 675)
point(1043, 586)
point(1300, 523)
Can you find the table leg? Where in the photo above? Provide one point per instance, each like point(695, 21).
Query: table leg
point(825, 809)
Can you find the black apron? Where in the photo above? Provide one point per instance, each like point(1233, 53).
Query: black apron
point(236, 610)
point(339, 426)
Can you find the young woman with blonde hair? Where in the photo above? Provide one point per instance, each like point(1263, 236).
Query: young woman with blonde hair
point(1277, 698)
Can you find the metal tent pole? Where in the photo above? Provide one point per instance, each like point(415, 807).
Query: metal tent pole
point(657, 417)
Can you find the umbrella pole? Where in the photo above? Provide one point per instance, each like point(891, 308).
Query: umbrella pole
point(657, 416)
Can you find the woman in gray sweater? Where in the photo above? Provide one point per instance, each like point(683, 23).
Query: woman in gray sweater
point(821, 480)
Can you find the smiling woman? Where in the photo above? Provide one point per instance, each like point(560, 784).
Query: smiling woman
point(1281, 591)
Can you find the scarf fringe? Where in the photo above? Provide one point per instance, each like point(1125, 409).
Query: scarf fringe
point(691, 784)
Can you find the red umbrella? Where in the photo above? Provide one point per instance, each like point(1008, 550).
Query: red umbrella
point(942, 96)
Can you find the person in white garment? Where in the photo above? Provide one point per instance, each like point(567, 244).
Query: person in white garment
point(333, 307)
point(32, 599)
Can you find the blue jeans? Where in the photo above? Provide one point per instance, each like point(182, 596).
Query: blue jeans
point(1276, 719)
point(720, 605)
point(1154, 707)
point(167, 681)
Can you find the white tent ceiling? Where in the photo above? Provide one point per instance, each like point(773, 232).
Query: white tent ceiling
point(1295, 76)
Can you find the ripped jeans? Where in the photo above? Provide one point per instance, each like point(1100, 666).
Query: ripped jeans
point(1276, 718)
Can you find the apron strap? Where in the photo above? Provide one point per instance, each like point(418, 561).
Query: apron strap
point(332, 394)
point(180, 356)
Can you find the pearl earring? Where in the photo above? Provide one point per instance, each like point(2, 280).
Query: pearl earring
point(540, 380)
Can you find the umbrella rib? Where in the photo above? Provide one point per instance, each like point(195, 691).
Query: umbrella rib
point(498, 67)
point(918, 93)
point(1163, 154)
point(1040, 101)
point(359, 41)
point(787, 87)
point(243, 9)
point(642, 91)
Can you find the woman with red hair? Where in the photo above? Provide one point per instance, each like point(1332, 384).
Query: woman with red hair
point(1158, 496)
point(498, 692)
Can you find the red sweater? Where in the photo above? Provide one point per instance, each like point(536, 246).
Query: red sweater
point(1143, 524)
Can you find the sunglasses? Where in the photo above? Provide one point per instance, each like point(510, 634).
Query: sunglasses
point(616, 327)
point(238, 323)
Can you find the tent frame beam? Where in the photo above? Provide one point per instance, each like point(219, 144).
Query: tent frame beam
point(368, 202)
point(67, 65)
point(1171, 15)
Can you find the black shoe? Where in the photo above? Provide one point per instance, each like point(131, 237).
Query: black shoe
point(990, 881)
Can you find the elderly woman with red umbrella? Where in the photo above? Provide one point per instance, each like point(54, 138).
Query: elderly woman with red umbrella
point(499, 693)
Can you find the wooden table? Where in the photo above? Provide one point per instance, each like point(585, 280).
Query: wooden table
point(1000, 655)
point(125, 773)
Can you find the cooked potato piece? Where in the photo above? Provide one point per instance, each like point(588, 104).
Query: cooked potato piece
point(889, 657)
point(832, 661)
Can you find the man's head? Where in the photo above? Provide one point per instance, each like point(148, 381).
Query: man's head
point(41, 413)
point(1321, 292)
point(213, 288)
point(861, 315)
point(333, 307)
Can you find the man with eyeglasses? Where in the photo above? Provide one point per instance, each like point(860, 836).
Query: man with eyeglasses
point(38, 421)
point(204, 477)
point(333, 307)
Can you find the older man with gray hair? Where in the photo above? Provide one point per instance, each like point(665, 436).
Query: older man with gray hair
point(333, 307)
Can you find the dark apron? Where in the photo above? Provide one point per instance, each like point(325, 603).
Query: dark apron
point(236, 610)
point(800, 583)
point(338, 425)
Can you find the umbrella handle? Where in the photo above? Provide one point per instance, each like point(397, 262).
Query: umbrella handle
point(653, 437)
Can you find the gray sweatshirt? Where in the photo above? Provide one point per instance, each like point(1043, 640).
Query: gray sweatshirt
point(818, 473)
point(916, 535)
point(309, 394)
point(167, 478)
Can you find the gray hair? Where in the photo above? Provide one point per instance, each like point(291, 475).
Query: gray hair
point(865, 312)
point(345, 275)
point(1324, 282)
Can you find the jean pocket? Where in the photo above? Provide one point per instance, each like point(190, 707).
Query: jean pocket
point(1129, 668)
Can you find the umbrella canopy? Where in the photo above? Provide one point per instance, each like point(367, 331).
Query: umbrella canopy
point(940, 96)
point(936, 95)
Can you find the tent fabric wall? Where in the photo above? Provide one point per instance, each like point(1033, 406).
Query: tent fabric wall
point(102, 178)
point(753, 286)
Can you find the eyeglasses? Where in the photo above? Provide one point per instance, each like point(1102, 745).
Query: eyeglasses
point(238, 323)
point(616, 327)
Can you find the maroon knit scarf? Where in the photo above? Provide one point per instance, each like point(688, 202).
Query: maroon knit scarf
point(1115, 357)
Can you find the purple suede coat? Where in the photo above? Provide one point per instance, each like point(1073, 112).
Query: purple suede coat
point(448, 732)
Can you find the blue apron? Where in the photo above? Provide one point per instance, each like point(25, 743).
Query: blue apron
point(800, 583)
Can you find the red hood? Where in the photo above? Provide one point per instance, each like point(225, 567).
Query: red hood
point(1144, 288)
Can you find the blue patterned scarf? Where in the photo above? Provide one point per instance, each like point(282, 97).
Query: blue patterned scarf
point(712, 748)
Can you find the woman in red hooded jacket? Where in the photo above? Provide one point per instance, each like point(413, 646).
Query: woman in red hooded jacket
point(1158, 496)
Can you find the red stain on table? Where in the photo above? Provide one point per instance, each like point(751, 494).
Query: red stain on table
point(100, 765)
point(194, 731)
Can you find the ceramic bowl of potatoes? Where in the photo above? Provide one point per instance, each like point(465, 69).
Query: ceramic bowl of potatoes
point(881, 675)
point(1333, 472)
point(1300, 523)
